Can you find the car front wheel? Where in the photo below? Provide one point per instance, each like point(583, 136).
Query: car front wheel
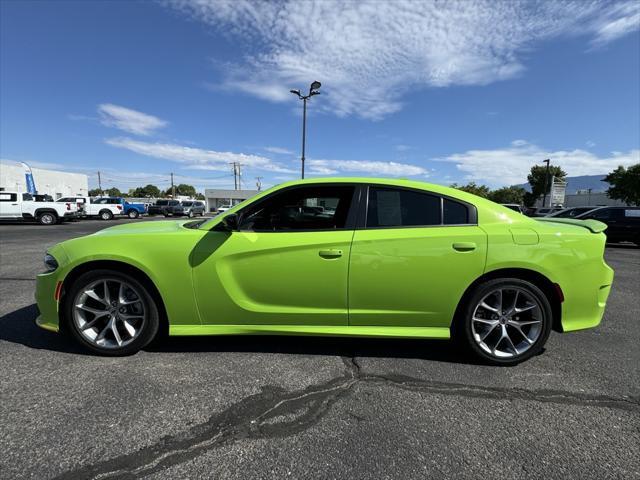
point(111, 313)
point(505, 321)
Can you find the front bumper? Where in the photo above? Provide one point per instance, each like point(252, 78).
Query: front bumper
point(47, 304)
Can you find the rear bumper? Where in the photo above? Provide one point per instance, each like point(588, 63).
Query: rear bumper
point(586, 299)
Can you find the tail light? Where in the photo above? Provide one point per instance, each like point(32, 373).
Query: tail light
point(68, 206)
point(119, 207)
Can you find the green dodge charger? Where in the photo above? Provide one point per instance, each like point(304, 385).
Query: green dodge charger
point(336, 256)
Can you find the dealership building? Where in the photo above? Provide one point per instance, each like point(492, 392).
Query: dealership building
point(50, 182)
point(224, 198)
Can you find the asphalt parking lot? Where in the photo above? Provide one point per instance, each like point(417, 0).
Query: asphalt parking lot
point(286, 407)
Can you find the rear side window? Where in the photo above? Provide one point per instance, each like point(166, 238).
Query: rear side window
point(8, 197)
point(390, 207)
point(455, 213)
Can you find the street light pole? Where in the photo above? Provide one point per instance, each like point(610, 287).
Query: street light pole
point(313, 90)
point(546, 179)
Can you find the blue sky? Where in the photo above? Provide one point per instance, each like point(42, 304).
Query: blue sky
point(446, 92)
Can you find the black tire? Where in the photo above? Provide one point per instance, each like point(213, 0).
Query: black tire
point(148, 331)
point(47, 218)
point(463, 329)
point(133, 213)
point(190, 214)
point(106, 215)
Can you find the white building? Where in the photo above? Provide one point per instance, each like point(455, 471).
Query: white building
point(50, 182)
point(224, 198)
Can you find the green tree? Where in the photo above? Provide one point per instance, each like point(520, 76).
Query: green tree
point(625, 184)
point(113, 192)
point(471, 187)
point(144, 192)
point(199, 196)
point(95, 192)
point(512, 194)
point(537, 180)
point(187, 190)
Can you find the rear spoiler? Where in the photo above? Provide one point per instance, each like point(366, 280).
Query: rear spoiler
point(593, 225)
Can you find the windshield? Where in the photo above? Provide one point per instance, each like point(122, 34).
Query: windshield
point(187, 204)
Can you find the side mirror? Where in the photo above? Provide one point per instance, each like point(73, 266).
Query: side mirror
point(229, 223)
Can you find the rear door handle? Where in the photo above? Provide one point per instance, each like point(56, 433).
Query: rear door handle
point(464, 246)
point(330, 253)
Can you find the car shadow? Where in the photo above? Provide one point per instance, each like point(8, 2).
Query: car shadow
point(19, 327)
point(623, 245)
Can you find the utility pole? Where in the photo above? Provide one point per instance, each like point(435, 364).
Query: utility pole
point(259, 183)
point(173, 188)
point(235, 176)
point(313, 90)
point(99, 183)
point(546, 180)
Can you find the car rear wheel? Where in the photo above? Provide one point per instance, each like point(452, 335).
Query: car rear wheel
point(505, 321)
point(47, 218)
point(133, 214)
point(190, 214)
point(106, 214)
point(111, 313)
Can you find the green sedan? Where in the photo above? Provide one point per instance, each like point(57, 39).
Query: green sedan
point(337, 256)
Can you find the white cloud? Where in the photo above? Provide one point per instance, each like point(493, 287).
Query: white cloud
point(510, 165)
point(369, 53)
point(402, 148)
point(196, 158)
point(279, 150)
point(331, 167)
point(129, 120)
point(621, 19)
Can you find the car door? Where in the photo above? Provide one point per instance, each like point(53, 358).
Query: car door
point(287, 263)
point(9, 205)
point(414, 258)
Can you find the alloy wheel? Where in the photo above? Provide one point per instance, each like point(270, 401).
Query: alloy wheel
point(109, 313)
point(507, 322)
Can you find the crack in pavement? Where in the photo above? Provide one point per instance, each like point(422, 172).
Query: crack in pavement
point(276, 413)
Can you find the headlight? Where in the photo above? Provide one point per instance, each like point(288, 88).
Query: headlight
point(50, 263)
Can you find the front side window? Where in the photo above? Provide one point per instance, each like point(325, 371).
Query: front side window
point(389, 207)
point(323, 207)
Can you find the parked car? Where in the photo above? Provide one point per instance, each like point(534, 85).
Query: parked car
point(543, 211)
point(105, 208)
point(571, 212)
point(191, 208)
point(514, 206)
point(167, 208)
point(417, 260)
point(22, 206)
point(623, 222)
point(132, 210)
point(223, 209)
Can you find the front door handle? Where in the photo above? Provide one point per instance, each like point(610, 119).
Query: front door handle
point(330, 253)
point(464, 246)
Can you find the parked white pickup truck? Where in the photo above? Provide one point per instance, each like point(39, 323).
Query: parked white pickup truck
point(105, 208)
point(21, 206)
